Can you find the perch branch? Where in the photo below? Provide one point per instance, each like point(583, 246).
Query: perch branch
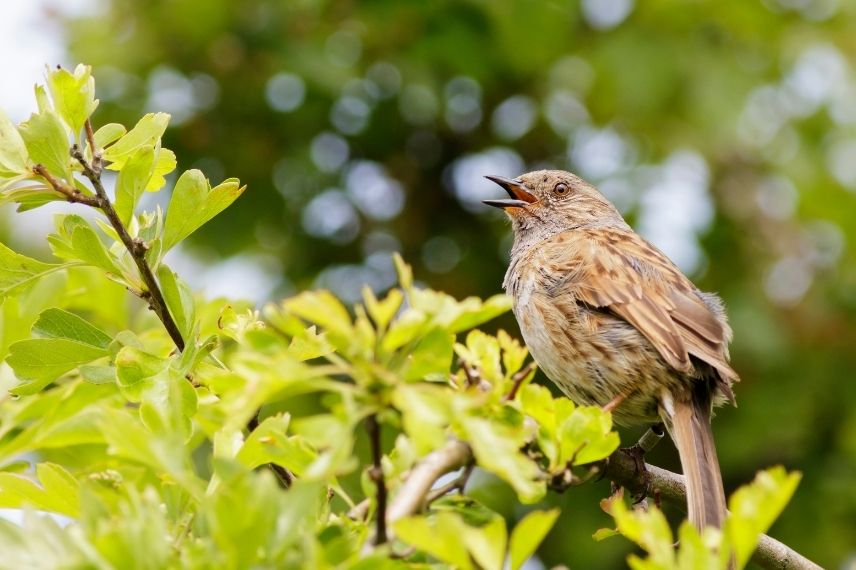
point(417, 486)
point(620, 468)
point(771, 553)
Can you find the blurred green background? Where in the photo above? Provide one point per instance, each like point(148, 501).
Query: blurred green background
point(724, 130)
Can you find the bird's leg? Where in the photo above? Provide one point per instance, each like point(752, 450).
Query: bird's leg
point(637, 451)
point(614, 403)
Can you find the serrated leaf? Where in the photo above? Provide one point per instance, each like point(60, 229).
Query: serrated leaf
point(40, 361)
point(13, 151)
point(164, 164)
point(147, 131)
point(47, 143)
point(132, 181)
point(528, 534)
point(57, 323)
point(73, 95)
point(19, 271)
point(194, 202)
point(58, 493)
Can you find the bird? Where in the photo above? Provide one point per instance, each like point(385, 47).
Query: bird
point(613, 322)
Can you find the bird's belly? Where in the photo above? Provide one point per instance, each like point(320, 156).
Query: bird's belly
point(595, 358)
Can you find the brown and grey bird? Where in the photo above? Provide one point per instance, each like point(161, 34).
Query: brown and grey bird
point(614, 323)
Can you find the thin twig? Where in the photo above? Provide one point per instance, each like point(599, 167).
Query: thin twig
point(71, 194)
point(376, 474)
point(136, 247)
point(457, 484)
point(517, 381)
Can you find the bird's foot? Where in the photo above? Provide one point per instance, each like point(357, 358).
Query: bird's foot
point(637, 452)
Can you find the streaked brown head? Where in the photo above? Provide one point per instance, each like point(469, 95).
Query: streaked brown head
point(545, 202)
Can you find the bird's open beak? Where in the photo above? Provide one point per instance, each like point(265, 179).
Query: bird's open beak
point(520, 195)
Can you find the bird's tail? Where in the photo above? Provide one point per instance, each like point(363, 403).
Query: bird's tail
point(690, 429)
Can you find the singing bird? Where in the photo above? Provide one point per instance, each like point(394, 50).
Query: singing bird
point(614, 323)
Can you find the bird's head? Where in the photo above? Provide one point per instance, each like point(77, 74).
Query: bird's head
point(545, 202)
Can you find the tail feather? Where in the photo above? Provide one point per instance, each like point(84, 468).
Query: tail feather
point(690, 429)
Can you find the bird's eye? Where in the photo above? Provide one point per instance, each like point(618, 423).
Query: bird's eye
point(561, 189)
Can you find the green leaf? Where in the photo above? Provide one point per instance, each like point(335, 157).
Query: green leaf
point(754, 507)
point(40, 361)
point(476, 312)
point(440, 536)
point(19, 271)
point(426, 413)
point(47, 143)
point(168, 403)
point(179, 300)
point(164, 164)
point(528, 534)
point(57, 323)
point(194, 202)
point(147, 131)
point(108, 134)
point(383, 311)
point(58, 493)
point(132, 181)
point(404, 329)
point(486, 543)
point(323, 309)
point(649, 529)
point(269, 443)
point(404, 271)
point(135, 369)
point(98, 374)
point(76, 240)
point(586, 435)
point(431, 357)
point(497, 449)
point(73, 95)
point(13, 151)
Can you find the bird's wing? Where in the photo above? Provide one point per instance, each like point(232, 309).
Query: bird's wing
point(619, 271)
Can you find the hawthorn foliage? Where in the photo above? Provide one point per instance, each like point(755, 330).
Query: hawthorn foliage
point(178, 432)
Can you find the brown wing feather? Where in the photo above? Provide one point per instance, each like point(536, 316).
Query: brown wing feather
point(640, 284)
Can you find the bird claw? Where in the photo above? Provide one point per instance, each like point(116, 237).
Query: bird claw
point(637, 453)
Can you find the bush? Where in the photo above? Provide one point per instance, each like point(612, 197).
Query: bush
point(201, 434)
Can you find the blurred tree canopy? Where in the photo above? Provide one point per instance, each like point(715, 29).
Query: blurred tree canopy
point(726, 131)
